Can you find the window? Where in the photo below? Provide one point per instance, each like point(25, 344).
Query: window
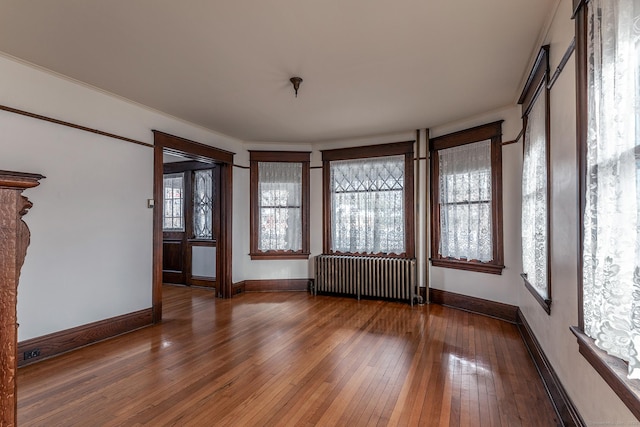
point(279, 205)
point(368, 200)
point(466, 199)
point(608, 75)
point(535, 182)
point(203, 204)
point(173, 213)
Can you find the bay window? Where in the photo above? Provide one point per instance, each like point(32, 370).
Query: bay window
point(368, 199)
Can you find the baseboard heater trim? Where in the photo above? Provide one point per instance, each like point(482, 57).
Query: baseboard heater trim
point(564, 407)
point(498, 310)
point(46, 346)
point(277, 285)
point(272, 285)
point(566, 411)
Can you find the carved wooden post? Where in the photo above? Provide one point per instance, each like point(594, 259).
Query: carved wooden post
point(14, 239)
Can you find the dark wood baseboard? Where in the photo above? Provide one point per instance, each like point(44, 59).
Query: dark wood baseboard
point(46, 346)
point(422, 292)
point(276, 285)
point(475, 305)
point(565, 409)
point(238, 288)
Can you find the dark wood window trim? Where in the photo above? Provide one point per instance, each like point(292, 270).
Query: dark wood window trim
point(183, 199)
point(185, 238)
point(187, 168)
point(612, 369)
point(364, 152)
point(563, 63)
point(578, 7)
point(285, 157)
point(537, 82)
point(489, 131)
point(189, 165)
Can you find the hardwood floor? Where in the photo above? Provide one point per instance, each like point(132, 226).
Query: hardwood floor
point(293, 359)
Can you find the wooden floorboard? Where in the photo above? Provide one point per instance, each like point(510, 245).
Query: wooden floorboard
point(292, 359)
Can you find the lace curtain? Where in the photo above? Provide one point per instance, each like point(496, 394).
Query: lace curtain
point(534, 198)
point(465, 202)
point(280, 198)
point(611, 276)
point(367, 205)
point(172, 215)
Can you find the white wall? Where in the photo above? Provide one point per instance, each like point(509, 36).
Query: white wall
point(90, 256)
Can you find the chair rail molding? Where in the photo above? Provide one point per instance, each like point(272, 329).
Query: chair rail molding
point(14, 240)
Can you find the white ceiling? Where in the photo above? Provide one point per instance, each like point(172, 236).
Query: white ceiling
point(369, 66)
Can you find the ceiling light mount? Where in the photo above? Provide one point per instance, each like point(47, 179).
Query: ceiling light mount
point(295, 81)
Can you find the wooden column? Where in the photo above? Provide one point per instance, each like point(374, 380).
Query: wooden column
point(14, 239)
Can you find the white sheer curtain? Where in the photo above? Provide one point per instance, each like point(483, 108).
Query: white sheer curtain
point(534, 198)
point(611, 225)
point(367, 205)
point(465, 202)
point(280, 197)
point(173, 211)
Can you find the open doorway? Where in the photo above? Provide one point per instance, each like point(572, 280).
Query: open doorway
point(190, 221)
point(200, 235)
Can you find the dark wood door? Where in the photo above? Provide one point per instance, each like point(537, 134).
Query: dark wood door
point(191, 223)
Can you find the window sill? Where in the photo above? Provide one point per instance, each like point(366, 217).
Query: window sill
point(612, 370)
point(545, 303)
point(369, 255)
point(283, 255)
point(476, 266)
point(202, 242)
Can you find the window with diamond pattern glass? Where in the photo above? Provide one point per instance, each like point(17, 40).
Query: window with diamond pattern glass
point(202, 204)
point(367, 205)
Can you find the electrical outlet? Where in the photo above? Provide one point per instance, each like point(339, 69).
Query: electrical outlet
point(31, 354)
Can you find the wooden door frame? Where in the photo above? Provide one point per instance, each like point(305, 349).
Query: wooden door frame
point(196, 151)
point(187, 169)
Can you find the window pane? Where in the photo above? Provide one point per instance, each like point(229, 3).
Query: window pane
point(173, 201)
point(280, 201)
point(465, 202)
point(534, 199)
point(611, 241)
point(202, 204)
point(367, 205)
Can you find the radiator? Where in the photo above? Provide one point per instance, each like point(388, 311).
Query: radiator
point(359, 276)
